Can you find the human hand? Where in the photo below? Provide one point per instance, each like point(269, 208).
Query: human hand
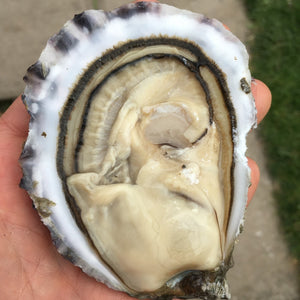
point(30, 265)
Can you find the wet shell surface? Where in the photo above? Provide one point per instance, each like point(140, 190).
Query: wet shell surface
point(135, 157)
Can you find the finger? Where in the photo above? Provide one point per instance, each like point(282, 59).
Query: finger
point(263, 98)
point(226, 27)
point(255, 175)
point(13, 132)
point(14, 122)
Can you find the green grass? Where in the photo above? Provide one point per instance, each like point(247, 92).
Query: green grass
point(95, 4)
point(275, 60)
point(4, 104)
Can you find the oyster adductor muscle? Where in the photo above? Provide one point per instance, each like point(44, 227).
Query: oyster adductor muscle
point(135, 158)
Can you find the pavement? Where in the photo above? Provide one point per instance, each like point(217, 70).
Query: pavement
point(263, 268)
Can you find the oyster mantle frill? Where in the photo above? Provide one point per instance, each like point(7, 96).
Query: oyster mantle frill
point(135, 158)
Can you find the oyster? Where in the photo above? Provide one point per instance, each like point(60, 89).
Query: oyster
point(135, 158)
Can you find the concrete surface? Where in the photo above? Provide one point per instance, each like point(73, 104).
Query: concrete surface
point(263, 268)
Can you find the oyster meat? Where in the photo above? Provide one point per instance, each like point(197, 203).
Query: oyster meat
point(135, 157)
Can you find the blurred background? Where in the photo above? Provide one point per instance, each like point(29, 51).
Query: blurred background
point(267, 255)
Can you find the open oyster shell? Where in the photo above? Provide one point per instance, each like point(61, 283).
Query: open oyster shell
point(135, 158)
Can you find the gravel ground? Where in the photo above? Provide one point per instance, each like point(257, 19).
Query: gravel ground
point(263, 268)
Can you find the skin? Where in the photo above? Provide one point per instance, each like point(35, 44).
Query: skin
point(31, 267)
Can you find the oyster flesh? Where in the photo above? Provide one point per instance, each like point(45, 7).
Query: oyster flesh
point(135, 157)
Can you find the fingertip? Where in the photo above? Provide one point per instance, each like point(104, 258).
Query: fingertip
point(226, 27)
point(15, 119)
point(255, 175)
point(263, 98)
